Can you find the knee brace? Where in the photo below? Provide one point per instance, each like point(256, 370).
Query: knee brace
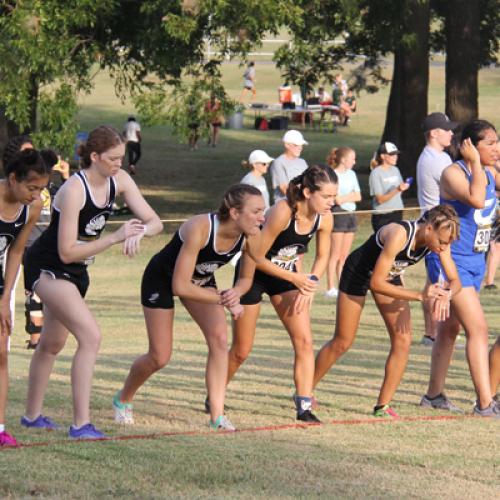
point(32, 309)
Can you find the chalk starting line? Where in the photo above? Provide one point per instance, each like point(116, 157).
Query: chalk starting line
point(267, 428)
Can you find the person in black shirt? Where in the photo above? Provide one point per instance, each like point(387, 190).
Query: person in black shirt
point(56, 269)
point(378, 265)
point(26, 175)
point(290, 225)
point(186, 267)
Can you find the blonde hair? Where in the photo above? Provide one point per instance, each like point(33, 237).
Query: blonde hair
point(336, 155)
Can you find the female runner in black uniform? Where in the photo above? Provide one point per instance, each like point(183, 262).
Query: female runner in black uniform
point(56, 268)
point(290, 225)
point(378, 265)
point(186, 267)
point(26, 175)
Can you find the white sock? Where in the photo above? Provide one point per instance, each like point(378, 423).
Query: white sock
point(2, 427)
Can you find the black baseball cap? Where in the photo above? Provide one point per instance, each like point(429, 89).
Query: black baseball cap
point(438, 120)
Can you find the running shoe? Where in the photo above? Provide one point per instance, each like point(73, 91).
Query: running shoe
point(427, 341)
point(40, 422)
point(492, 411)
point(385, 411)
point(87, 431)
point(123, 411)
point(221, 424)
point(309, 417)
point(7, 440)
point(440, 402)
point(490, 287)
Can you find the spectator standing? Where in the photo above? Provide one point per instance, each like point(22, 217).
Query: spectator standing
point(213, 108)
point(249, 82)
point(132, 134)
point(386, 186)
point(289, 164)
point(258, 162)
point(438, 130)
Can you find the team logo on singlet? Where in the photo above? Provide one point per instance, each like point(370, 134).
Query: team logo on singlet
point(287, 256)
point(398, 268)
point(46, 201)
point(203, 272)
point(5, 240)
point(95, 226)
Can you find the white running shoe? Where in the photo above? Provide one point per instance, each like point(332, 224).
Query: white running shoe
point(332, 293)
point(221, 424)
point(124, 414)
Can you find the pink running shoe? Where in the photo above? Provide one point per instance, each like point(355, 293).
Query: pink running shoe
point(7, 440)
point(385, 411)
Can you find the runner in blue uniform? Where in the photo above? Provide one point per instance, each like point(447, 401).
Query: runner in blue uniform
point(56, 269)
point(26, 175)
point(470, 188)
point(186, 267)
point(290, 225)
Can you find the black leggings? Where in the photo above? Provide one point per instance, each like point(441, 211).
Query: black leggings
point(134, 152)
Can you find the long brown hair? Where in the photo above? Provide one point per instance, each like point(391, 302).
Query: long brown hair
point(234, 197)
point(312, 178)
point(336, 155)
point(100, 140)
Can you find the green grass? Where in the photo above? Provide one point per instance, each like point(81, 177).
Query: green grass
point(452, 459)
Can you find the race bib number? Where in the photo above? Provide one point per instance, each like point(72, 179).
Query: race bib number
point(482, 239)
point(286, 264)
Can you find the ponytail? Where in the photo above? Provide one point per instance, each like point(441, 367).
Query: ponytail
point(312, 178)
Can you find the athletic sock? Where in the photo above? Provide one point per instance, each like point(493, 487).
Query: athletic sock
point(2, 427)
point(303, 403)
point(435, 397)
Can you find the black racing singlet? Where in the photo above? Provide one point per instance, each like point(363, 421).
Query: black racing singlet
point(91, 221)
point(289, 244)
point(9, 231)
point(367, 254)
point(208, 260)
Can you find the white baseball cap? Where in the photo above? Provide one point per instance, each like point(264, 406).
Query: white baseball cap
point(294, 137)
point(388, 148)
point(259, 156)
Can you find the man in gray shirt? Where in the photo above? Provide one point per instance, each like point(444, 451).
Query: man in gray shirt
point(438, 130)
point(288, 165)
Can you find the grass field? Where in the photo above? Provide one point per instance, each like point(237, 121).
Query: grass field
point(350, 456)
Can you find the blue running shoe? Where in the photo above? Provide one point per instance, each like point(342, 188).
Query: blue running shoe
point(87, 431)
point(40, 422)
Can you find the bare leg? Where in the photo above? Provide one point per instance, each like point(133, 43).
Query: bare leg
point(345, 249)
point(492, 264)
point(495, 366)
point(243, 338)
point(4, 376)
point(159, 325)
point(335, 249)
point(347, 318)
point(298, 326)
point(64, 310)
point(430, 324)
point(396, 314)
point(467, 310)
point(211, 318)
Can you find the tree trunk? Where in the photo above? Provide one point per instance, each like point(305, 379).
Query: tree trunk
point(8, 129)
point(462, 59)
point(407, 106)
